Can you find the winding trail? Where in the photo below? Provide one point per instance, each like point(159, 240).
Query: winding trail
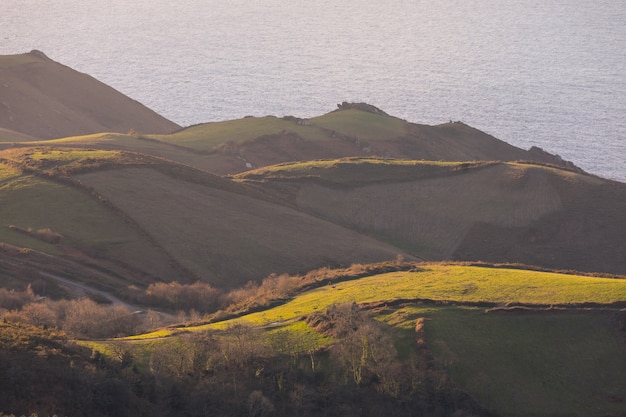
point(84, 289)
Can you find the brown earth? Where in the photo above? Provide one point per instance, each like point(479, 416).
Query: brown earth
point(45, 99)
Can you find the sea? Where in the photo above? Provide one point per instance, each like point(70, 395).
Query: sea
point(540, 73)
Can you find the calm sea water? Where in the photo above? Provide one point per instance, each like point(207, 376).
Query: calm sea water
point(530, 72)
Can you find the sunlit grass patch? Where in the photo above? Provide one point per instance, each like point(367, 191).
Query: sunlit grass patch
point(157, 334)
point(295, 337)
point(7, 172)
point(86, 139)
point(448, 283)
point(106, 349)
point(67, 155)
point(360, 171)
point(362, 124)
point(209, 135)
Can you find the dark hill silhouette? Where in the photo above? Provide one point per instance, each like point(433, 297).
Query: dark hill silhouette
point(45, 99)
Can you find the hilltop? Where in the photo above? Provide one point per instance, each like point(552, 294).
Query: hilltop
point(353, 130)
point(45, 99)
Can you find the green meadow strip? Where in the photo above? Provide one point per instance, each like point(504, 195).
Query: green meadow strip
point(448, 283)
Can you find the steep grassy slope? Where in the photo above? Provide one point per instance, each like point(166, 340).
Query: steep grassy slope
point(162, 220)
point(547, 364)
point(65, 220)
point(169, 222)
point(499, 212)
point(229, 238)
point(45, 99)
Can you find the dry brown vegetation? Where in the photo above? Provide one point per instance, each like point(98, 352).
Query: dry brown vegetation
point(80, 318)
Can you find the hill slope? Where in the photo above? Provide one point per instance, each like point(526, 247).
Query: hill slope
point(42, 98)
point(144, 217)
point(498, 212)
point(235, 146)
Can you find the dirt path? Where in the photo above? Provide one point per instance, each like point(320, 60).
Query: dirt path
point(84, 289)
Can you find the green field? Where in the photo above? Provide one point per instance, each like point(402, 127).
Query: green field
point(361, 124)
point(532, 364)
point(445, 283)
point(517, 363)
point(551, 363)
point(209, 135)
point(84, 222)
point(453, 283)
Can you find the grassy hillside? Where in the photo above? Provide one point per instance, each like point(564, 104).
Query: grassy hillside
point(460, 284)
point(9, 137)
point(537, 364)
point(125, 204)
point(498, 212)
point(442, 353)
point(163, 220)
point(516, 362)
point(235, 146)
point(64, 220)
point(45, 99)
point(125, 209)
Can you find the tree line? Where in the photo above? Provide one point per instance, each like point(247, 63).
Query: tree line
point(237, 371)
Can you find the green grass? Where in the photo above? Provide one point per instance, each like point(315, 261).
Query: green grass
point(295, 337)
point(71, 155)
point(360, 171)
point(517, 364)
point(532, 364)
point(92, 138)
point(65, 161)
point(96, 140)
point(7, 172)
point(447, 282)
point(362, 124)
point(37, 203)
point(209, 135)
point(157, 334)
